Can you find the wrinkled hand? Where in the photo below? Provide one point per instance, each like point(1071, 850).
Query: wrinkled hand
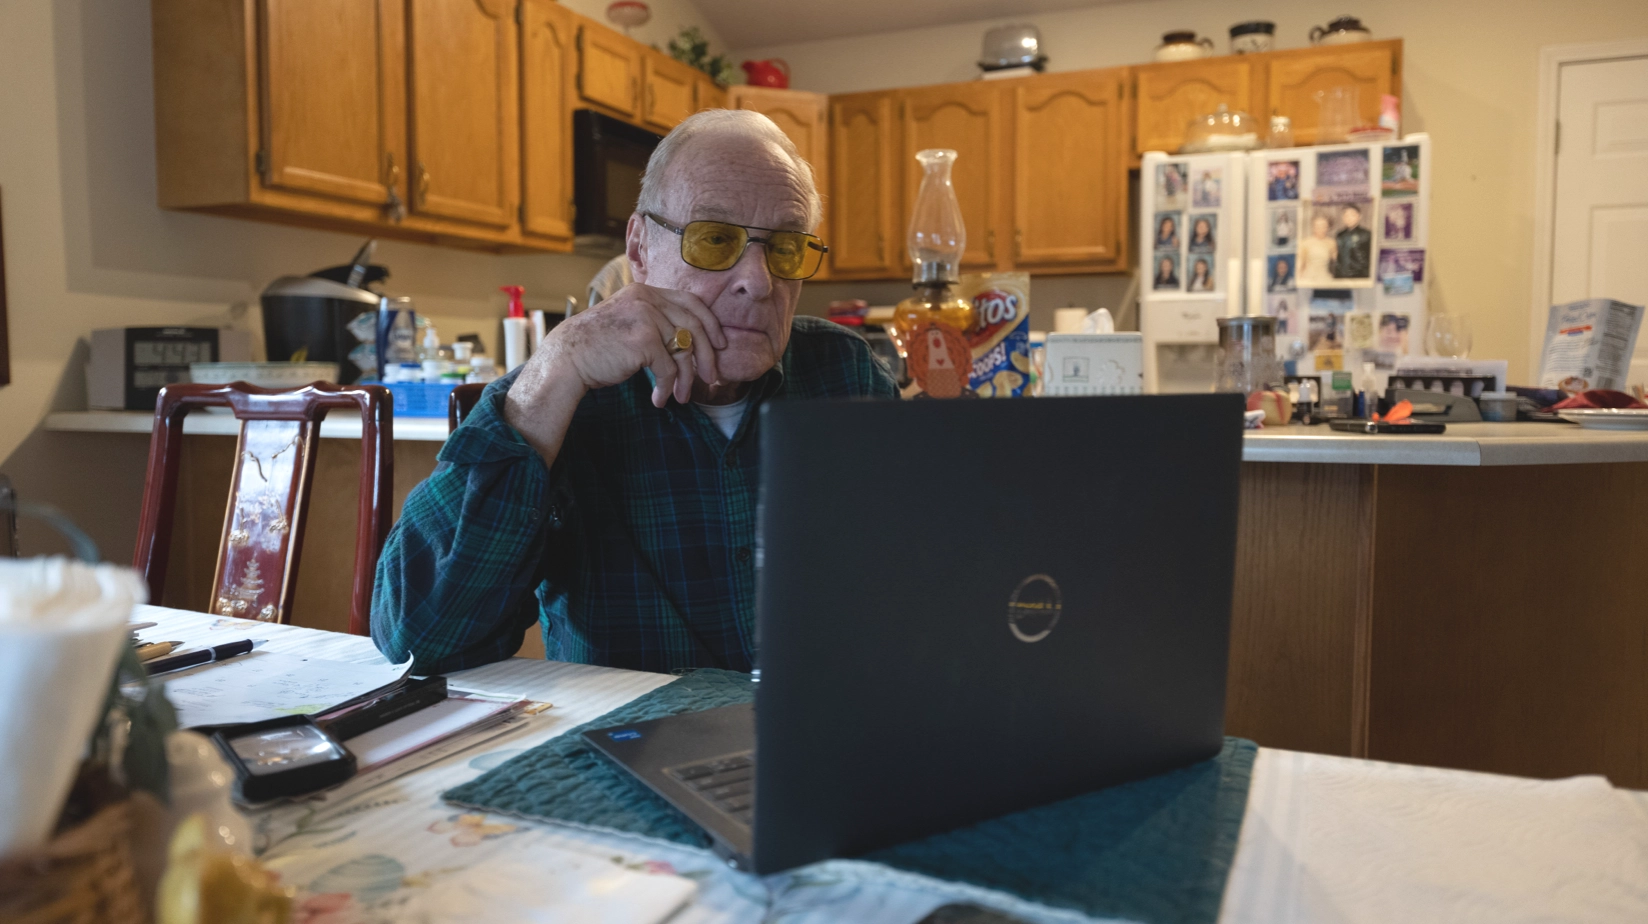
point(607, 345)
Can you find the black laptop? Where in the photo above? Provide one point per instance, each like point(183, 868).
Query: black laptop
point(963, 609)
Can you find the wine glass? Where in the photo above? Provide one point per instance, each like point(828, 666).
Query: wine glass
point(1450, 336)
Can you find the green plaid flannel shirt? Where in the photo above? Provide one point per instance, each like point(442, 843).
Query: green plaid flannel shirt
point(635, 549)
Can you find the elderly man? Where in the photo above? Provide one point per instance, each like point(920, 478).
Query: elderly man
point(607, 488)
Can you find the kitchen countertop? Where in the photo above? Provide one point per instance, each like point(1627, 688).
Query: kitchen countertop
point(1476, 444)
point(339, 424)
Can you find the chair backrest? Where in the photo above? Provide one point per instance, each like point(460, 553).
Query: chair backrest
point(462, 400)
point(257, 560)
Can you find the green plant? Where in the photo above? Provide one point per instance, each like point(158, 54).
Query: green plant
point(690, 47)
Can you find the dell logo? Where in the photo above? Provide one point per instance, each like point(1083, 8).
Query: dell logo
point(1034, 608)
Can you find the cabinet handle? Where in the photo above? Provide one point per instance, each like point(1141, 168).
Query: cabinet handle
point(881, 248)
point(1018, 244)
point(392, 206)
point(423, 183)
point(634, 93)
point(990, 244)
point(652, 98)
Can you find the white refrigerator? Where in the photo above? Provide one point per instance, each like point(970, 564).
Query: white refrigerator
point(1192, 221)
point(1337, 250)
point(1331, 240)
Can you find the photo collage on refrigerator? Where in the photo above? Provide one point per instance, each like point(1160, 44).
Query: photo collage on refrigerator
point(1343, 244)
point(1185, 228)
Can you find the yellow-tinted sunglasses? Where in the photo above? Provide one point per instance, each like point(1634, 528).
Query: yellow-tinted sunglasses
point(719, 245)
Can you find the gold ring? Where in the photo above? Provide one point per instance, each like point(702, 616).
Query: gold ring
point(681, 342)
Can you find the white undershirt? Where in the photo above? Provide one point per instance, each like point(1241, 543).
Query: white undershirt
point(726, 416)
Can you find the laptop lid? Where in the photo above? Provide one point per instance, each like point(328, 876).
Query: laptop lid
point(966, 608)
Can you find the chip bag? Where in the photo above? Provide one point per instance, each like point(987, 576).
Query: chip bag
point(1000, 338)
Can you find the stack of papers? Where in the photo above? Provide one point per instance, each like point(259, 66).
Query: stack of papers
point(264, 685)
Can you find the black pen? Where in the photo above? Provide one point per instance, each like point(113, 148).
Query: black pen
point(203, 656)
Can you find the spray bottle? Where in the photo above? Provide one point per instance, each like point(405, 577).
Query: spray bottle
point(515, 327)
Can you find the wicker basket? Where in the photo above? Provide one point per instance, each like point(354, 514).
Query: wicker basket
point(84, 876)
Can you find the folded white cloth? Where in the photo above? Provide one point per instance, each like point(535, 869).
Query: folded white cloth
point(1333, 839)
point(61, 627)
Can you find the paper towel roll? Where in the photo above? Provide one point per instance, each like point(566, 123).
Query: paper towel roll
point(61, 627)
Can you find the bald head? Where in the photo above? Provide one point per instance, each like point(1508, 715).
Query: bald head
point(720, 136)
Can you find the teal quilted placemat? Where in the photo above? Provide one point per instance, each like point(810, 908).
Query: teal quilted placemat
point(1156, 850)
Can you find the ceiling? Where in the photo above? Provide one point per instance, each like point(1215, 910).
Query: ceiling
point(757, 23)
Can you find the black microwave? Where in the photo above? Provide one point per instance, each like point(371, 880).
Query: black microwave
point(608, 158)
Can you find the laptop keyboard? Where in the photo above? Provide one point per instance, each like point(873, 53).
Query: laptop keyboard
point(727, 782)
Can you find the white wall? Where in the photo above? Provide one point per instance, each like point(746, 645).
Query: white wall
point(669, 17)
point(1468, 79)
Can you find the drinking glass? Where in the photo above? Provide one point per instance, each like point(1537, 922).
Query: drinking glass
point(1450, 336)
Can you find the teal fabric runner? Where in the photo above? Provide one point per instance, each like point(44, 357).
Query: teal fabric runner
point(1156, 850)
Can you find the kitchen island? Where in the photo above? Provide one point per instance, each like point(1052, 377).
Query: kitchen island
point(1466, 600)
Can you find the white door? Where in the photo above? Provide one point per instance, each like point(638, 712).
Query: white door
point(1600, 232)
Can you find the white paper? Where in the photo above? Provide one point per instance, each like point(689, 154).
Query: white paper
point(561, 887)
point(266, 685)
point(424, 727)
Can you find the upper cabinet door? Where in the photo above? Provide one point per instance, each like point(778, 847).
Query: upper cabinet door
point(1295, 80)
point(966, 118)
point(1172, 94)
point(1069, 190)
point(864, 182)
point(709, 94)
point(609, 69)
point(463, 115)
point(330, 91)
point(547, 37)
point(800, 116)
point(669, 96)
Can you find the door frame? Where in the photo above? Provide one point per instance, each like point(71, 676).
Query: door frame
point(1552, 58)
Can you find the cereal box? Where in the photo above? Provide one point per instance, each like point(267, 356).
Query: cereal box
point(1000, 338)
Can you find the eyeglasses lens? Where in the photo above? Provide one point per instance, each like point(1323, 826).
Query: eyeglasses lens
point(714, 245)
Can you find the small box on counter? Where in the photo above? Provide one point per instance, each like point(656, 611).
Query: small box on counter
point(1094, 364)
point(129, 365)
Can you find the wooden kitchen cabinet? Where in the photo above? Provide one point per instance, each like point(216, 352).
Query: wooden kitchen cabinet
point(609, 70)
point(708, 93)
point(548, 63)
point(461, 97)
point(668, 92)
point(330, 122)
point(966, 118)
point(1069, 174)
point(1170, 95)
point(865, 235)
point(1294, 78)
point(408, 119)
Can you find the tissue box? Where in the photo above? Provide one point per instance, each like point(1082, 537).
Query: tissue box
point(1094, 364)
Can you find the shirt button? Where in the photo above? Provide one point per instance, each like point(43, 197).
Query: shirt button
point(744, 554)
point(732, 460)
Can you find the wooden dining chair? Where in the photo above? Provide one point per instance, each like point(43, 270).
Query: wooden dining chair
point(462, 400)
point(257, 559)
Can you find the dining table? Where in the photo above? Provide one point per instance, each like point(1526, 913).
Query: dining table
point(1323, 838)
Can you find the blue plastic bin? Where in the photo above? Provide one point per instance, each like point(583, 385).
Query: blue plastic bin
point(420, 399)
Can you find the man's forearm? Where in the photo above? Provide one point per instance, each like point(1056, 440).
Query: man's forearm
point(540, 404)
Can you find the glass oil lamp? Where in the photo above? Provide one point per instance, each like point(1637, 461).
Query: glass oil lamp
point(930, 327)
